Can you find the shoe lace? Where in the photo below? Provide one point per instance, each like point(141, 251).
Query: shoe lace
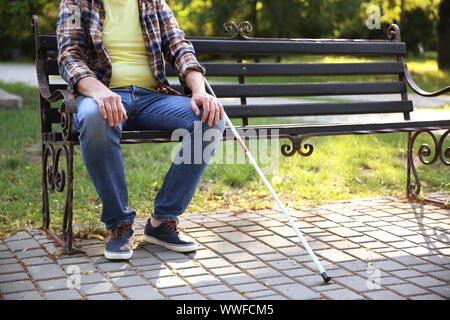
point(171, 225)
point(119, 232)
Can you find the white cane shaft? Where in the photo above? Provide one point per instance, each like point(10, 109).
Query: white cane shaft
point(269, 187)
point(275, 196)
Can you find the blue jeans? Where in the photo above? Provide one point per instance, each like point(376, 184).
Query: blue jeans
point(146, 110)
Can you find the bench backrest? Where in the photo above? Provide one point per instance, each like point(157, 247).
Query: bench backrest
point(239, 51)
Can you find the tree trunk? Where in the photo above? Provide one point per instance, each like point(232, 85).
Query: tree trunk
point(402, 14)
point(254, 18)
point(443, 45)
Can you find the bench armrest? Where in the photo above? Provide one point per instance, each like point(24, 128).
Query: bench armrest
point(44, 89)
point(418, 90)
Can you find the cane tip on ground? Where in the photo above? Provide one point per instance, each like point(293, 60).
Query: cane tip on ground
point(326, 278)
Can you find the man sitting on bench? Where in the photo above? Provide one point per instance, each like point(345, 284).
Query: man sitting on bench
point(112, 53)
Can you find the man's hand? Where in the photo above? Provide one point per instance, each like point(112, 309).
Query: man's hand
point(109, 103)
point(111, 108)
point(212, 108)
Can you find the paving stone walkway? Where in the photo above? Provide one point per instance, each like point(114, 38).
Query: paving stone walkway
point(381, 248)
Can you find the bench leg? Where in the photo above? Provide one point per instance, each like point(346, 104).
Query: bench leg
point(55, 179)
point(412, 189)
point(413, 185)
point(47, 150)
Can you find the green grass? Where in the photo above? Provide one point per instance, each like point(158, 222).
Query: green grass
point(341, 167)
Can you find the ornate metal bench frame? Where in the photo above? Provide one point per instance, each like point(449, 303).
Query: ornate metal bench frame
point(61, 144)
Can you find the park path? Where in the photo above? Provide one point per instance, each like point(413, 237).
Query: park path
point(426, 108)
point(374, 249)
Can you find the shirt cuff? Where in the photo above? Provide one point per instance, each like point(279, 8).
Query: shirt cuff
point(192, 66)
point(74, 80)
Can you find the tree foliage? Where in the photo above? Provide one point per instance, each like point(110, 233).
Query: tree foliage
point(417, 19)
point(270, 18)
point(16, 37)
point(313, 18)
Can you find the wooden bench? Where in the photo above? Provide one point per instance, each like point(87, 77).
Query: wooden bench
point(60, 142)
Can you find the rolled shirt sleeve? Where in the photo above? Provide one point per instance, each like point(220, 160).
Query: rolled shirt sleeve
point(72, 44)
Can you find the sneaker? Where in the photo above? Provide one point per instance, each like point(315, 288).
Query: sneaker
point(167, 235)
point(120, 246)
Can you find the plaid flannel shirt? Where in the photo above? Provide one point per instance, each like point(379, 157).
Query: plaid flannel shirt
point(81, 52)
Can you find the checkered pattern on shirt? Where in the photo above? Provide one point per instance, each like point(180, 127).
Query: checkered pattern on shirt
point(81, 52)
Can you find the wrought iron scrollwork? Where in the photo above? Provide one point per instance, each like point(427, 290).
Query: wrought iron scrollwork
point(424, 151)
point(239, 30)
point(66, 123)
point(393, 32)
point(444, 154)
point(289, 150)
point(56, 179)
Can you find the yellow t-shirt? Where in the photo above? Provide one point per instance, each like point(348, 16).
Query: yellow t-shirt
point(122, 37)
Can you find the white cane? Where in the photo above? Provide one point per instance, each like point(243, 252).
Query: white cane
point(319, 266)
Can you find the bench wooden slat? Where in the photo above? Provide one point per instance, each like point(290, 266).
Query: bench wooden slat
point(274, 47)
point(46, 41)
point(297, 69)
point(292, 129)
point(304, 129)
point(305, 89)
point(337, 128)
point(52, 115)
point(280, 69)
point(57, 86)
point(267, 47)
point(294, 89)
point(316, 109)
point(51, 66)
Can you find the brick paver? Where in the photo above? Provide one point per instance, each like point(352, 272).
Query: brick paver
point(378, 249)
